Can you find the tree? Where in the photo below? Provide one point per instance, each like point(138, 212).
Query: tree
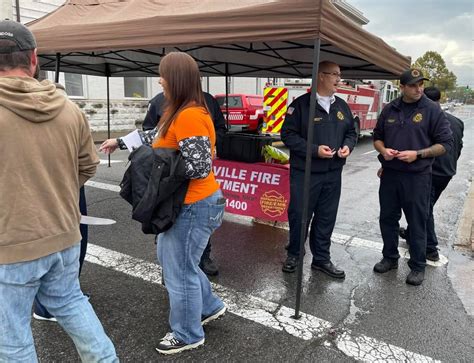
point(434, 67)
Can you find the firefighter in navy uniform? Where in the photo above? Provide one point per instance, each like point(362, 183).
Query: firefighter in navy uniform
point(444, 168)
point(410, 132)
point(334, 139)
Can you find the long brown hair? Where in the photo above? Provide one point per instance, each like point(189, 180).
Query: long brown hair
point(183, 90)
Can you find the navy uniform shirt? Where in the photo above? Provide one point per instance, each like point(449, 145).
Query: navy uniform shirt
point(335, 130)
point(446, 164)
point(425, 126)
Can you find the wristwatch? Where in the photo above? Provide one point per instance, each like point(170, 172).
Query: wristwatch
point(419, 154)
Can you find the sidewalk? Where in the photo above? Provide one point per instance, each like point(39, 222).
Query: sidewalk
point(466, 224)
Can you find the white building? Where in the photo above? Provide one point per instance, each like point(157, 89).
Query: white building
point(129, 96)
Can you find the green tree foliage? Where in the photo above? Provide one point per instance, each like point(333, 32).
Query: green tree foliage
point(462, 94)
point(434, 67)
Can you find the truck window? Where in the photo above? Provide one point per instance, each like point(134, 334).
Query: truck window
point(256, 101)
point(234, 101)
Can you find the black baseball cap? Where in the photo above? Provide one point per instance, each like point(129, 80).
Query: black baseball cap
point(20, 36)
point(412, 76)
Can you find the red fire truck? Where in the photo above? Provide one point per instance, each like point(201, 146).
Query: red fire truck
point(245, 111)
point(366, 101)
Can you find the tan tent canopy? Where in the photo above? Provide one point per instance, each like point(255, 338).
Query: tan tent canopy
point(263, 38)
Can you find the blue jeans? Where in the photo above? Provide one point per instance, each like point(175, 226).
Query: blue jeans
point(179, 252)
point(54, 280)
point(40, 309)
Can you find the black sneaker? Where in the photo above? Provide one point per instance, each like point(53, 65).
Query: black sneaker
point(171, 345)
point(290, 264)
point(385, 265)
point(208, 266)
point(214, 316)
point(415, 278)
point(432, 256)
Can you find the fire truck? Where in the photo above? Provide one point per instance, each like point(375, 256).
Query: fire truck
point(365, 99)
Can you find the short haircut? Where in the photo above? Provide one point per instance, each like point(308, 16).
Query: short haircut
point(324, 66)
point(9, 61)
point(433, 93)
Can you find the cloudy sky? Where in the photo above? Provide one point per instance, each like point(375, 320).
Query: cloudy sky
point(416, 26)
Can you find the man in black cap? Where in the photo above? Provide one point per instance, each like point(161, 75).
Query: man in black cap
point(410, 132)
point(48, 153)
point(444, 168)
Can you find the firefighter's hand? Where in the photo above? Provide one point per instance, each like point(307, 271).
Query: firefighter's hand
point(379, 172)
point(408, 156)
point(109, 146)
point(343, 152)
point(325, 152)
point(388, 154)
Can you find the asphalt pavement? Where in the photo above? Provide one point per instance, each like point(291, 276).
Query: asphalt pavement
point(366, 317)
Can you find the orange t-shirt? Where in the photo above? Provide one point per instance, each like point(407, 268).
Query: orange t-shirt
point(192, 121)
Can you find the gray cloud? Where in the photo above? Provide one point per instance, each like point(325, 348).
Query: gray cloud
point(415, 27)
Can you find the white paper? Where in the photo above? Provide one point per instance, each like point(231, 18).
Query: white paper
point(132, 140)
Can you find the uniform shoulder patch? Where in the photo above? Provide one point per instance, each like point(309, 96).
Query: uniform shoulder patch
point(290, 110)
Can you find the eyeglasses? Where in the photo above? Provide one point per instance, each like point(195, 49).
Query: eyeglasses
point(335, 74)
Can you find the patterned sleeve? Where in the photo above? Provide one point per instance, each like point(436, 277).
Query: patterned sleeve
point(147, 138)
point(196, 151)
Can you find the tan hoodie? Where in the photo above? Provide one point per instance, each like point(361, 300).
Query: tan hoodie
point(46, 153)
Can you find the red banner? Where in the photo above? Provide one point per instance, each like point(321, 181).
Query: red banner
point(257, 190)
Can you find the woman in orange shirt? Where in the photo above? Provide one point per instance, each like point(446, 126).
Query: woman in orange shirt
point(187, 126)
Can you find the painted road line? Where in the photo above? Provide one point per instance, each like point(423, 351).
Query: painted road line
point(105, 161)
point(266, 313)
point(341, 239)
point(369, 152)
point(105, 186)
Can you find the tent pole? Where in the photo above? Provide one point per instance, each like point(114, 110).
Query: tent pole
point(57, 68)
point(227, 95)
point(307, 174)
point(107, 72)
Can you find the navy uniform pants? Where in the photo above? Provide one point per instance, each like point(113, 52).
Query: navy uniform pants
point(324, 194)
point(438, 185)
point(409, 192)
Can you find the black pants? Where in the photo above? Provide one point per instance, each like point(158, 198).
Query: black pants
point(84, 229)
point(207, 251)
point(438, 185)
point(409, 192)
point(324, 194)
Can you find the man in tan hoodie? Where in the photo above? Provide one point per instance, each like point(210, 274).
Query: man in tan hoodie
point(47, 154)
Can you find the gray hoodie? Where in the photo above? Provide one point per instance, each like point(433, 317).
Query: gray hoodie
point(47, 154)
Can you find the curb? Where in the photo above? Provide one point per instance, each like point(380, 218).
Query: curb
point(466, 225)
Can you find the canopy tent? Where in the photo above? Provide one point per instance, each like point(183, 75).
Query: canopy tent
point(253, 38)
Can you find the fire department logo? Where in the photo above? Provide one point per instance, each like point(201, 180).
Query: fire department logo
point(415, 73)
point(273, 204)
point(418, 117)
point(340, 115)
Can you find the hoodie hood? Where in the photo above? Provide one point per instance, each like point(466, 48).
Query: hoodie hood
point(30, 99)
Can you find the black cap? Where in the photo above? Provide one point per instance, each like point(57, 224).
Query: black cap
point(18, 34)
point(411, 76)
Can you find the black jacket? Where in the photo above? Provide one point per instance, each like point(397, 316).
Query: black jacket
point(155, 110)
point(425, 126)
point(335, 130)
point(446, 164)
point(155, 186)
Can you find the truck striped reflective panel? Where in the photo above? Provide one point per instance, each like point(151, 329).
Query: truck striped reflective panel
point(274, 108)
